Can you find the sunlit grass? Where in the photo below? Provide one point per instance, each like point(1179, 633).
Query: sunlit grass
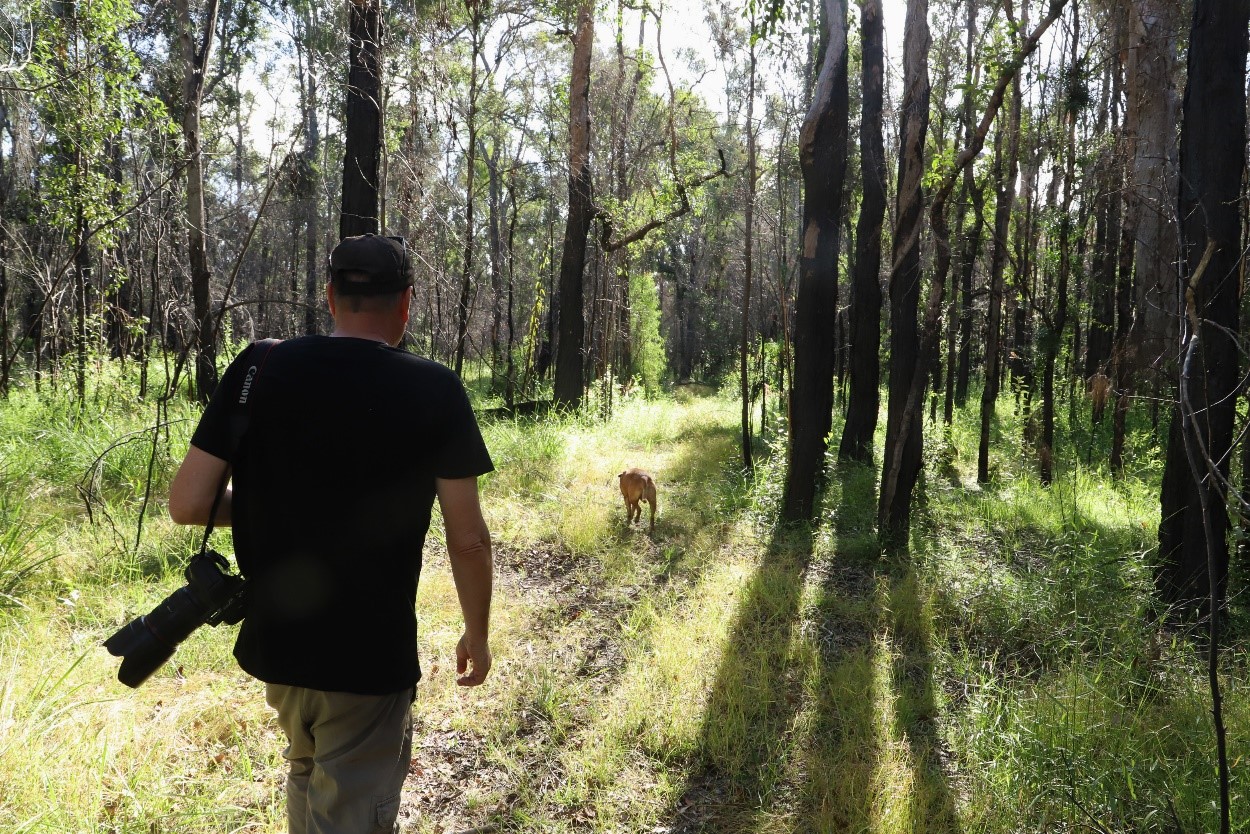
point(1006, 676)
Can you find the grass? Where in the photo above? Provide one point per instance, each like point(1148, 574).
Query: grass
point(719, 675)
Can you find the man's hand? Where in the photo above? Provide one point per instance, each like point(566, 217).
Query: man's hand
point(472, 661)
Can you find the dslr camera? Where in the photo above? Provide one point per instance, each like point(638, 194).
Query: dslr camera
point(212, 595)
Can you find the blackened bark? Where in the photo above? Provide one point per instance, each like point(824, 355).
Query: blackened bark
point(903, 441)
point(308, 167)
point(822, 156)
point(572, 325)
point(195, 61)
point(865, 361)
point(363, 127)
point(1059, 317)
point(1006, 167)
point(1212, 162)
point(748, 256)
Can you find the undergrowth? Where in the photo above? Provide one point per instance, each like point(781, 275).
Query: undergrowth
point(722, 674)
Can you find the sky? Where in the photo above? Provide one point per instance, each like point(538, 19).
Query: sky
point(686, 28)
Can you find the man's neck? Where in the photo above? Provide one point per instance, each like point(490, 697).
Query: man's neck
point(360, 332)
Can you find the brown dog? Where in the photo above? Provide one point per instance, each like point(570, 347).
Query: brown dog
point(637, 486)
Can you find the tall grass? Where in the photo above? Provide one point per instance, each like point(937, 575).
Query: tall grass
point(720, 675)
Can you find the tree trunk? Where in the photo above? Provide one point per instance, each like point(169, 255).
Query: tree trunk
point(495, 239)
point(362, 146)
point(901, 466)
point(308, 182)
point(572, 326)
point(1193, 550)
point(865, 360)
point(1006, 166)
point(822, 156)
point(748, 262)
point(195, 63)
point(1058, 320)
point(1150, 130)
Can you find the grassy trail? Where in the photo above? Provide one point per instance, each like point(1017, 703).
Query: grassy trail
point(714, 676)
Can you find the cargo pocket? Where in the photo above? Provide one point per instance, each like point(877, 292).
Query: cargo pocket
point(385, 814)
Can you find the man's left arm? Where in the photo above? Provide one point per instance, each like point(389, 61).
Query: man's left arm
point(472, 569)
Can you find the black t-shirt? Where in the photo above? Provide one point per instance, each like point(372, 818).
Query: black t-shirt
point(333, 487)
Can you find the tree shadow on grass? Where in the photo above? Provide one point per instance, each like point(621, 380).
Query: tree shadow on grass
point(754, 699)
point(822, 717)
point(873, 759)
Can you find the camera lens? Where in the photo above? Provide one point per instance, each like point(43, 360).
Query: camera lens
point(146, 643)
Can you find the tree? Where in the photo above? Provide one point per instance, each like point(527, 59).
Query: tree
point(903, 440)
point(822, 156)
point(865, 362)
point(748, 255)
point(1193, 546)
point(1006, 167)
point(568, 380)
point(1057, 318)
point(363, 121)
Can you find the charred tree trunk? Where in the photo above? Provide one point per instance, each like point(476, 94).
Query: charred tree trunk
point(308, 169)
point(822, 155)
point(903, 441)
point(865, 360)
point(195, 62)
point(1193, 547)
point(363, 126)
point(572, 325)
point(1059, 318)
point(470, 183)
point(1006, 168)
point(748, 264)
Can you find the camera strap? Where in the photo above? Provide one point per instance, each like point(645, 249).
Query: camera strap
point(240, 416)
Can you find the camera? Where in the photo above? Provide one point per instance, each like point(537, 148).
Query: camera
point(212, 595)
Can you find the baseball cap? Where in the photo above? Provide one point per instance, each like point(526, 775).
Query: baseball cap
point(383, 260)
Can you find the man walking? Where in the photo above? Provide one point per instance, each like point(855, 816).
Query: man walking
point(348, 441)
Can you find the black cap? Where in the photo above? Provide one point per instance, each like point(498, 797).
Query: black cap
point(382, 260)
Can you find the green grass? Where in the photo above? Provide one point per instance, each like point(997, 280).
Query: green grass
point(719, 675)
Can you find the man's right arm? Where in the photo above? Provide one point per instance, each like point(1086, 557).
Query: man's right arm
point(195, 487)
point(468, 546)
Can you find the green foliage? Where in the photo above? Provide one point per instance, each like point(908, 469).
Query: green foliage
point(644, 327)
point(85, 77)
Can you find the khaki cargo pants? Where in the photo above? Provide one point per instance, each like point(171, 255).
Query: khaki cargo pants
point(349, 757)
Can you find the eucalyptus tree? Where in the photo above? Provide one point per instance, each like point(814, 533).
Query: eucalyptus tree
point(822, 154)
point(572, 326)
point(748, 255)
point(1056, 318)
point(894, 505)
point(1150, 120)
point(195, 41)
point(1193, 546)
point(1006, 167)
point(865, 316)
point(903, 441)
point(362, 125)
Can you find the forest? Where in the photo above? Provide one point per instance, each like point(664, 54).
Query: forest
point(924, 313)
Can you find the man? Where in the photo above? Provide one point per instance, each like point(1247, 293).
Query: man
point(348, 441)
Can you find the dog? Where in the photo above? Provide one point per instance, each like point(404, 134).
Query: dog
point(637, 486)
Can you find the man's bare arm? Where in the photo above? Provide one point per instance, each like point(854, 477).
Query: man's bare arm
point(195, 487)
point(468, 546)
